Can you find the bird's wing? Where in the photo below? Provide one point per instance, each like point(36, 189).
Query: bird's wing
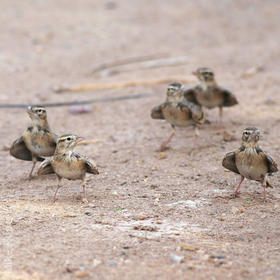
point(229, 162)
point(90, 166)
point(45, 167)
point(190, 95)
point(271, 164)
point(156, 112)
point(20, 151)
point(229, 98)
point(197, 113)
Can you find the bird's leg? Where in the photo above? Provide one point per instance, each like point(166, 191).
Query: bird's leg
point(84, 192)
point(34, 160)
point(221, 117)
point(58, 187)
point(237, 192)
point(196, 136)
point(165, 143)
point(264, 187)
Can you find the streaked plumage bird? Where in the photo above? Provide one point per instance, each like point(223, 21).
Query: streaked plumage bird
point(208, 93)
point(250, 161)
point(67, 164)
point(177, 111)
point(37, 141)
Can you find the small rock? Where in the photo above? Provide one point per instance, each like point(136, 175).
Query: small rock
point(87, 213)
point(142, 217)
point(112, 263)
point(176, 258)
point(227, 137)
point(153, 186)
point(252, 71)
point(96, 262)
point(5, 148)
point(81, 274)
point(162, 155)
point(270, 101)
point(234, 210)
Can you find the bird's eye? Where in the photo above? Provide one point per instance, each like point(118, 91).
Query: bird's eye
point(39, 111)
point(68, 139)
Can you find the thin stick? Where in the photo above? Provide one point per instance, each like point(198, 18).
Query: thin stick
point(93, 87)
point(85, 102)
point(164, 62)
point(125, 61)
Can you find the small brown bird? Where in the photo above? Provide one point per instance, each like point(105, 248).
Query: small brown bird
point(178, 111)
point(67, 164)
point(250, 161)
point(37, 141)
point(208, 93)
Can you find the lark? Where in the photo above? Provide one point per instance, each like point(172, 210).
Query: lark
point(38, 141)
point(209, 94)
point(250, 161)
point(67, 164)
point(177, 111)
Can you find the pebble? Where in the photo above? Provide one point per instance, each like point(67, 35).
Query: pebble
point(270, 101)
point(87, 213)
point(112, 263)
point(96, 262)
point(162, 155)
point(176, 258)
point(81, 274)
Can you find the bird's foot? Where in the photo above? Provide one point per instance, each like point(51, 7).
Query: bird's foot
point(163, 147)
point(236, 194)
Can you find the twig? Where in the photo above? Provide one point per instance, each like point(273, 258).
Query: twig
point(126, 61)
point(90, 141)
point(170, 61)
point(93, 87)
point(90, 101)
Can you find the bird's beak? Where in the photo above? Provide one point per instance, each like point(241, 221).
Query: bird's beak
point(28, 109)
point(194, 73)
point(79, 139)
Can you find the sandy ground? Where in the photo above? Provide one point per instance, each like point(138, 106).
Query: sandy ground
point(147, 218)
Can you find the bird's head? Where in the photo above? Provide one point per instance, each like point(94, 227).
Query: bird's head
point(204, 74)
point(37, 113)
point(67, 142)
point(250, 136)
point(175, 92)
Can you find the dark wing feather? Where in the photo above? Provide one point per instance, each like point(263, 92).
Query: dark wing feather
point(195, 111)
point(45, 167)
point(190, 95)
point(229, 98)
point(156, 112)
point(20, 151)
point(272, 165)
point(229, 162)
point(91, 166)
